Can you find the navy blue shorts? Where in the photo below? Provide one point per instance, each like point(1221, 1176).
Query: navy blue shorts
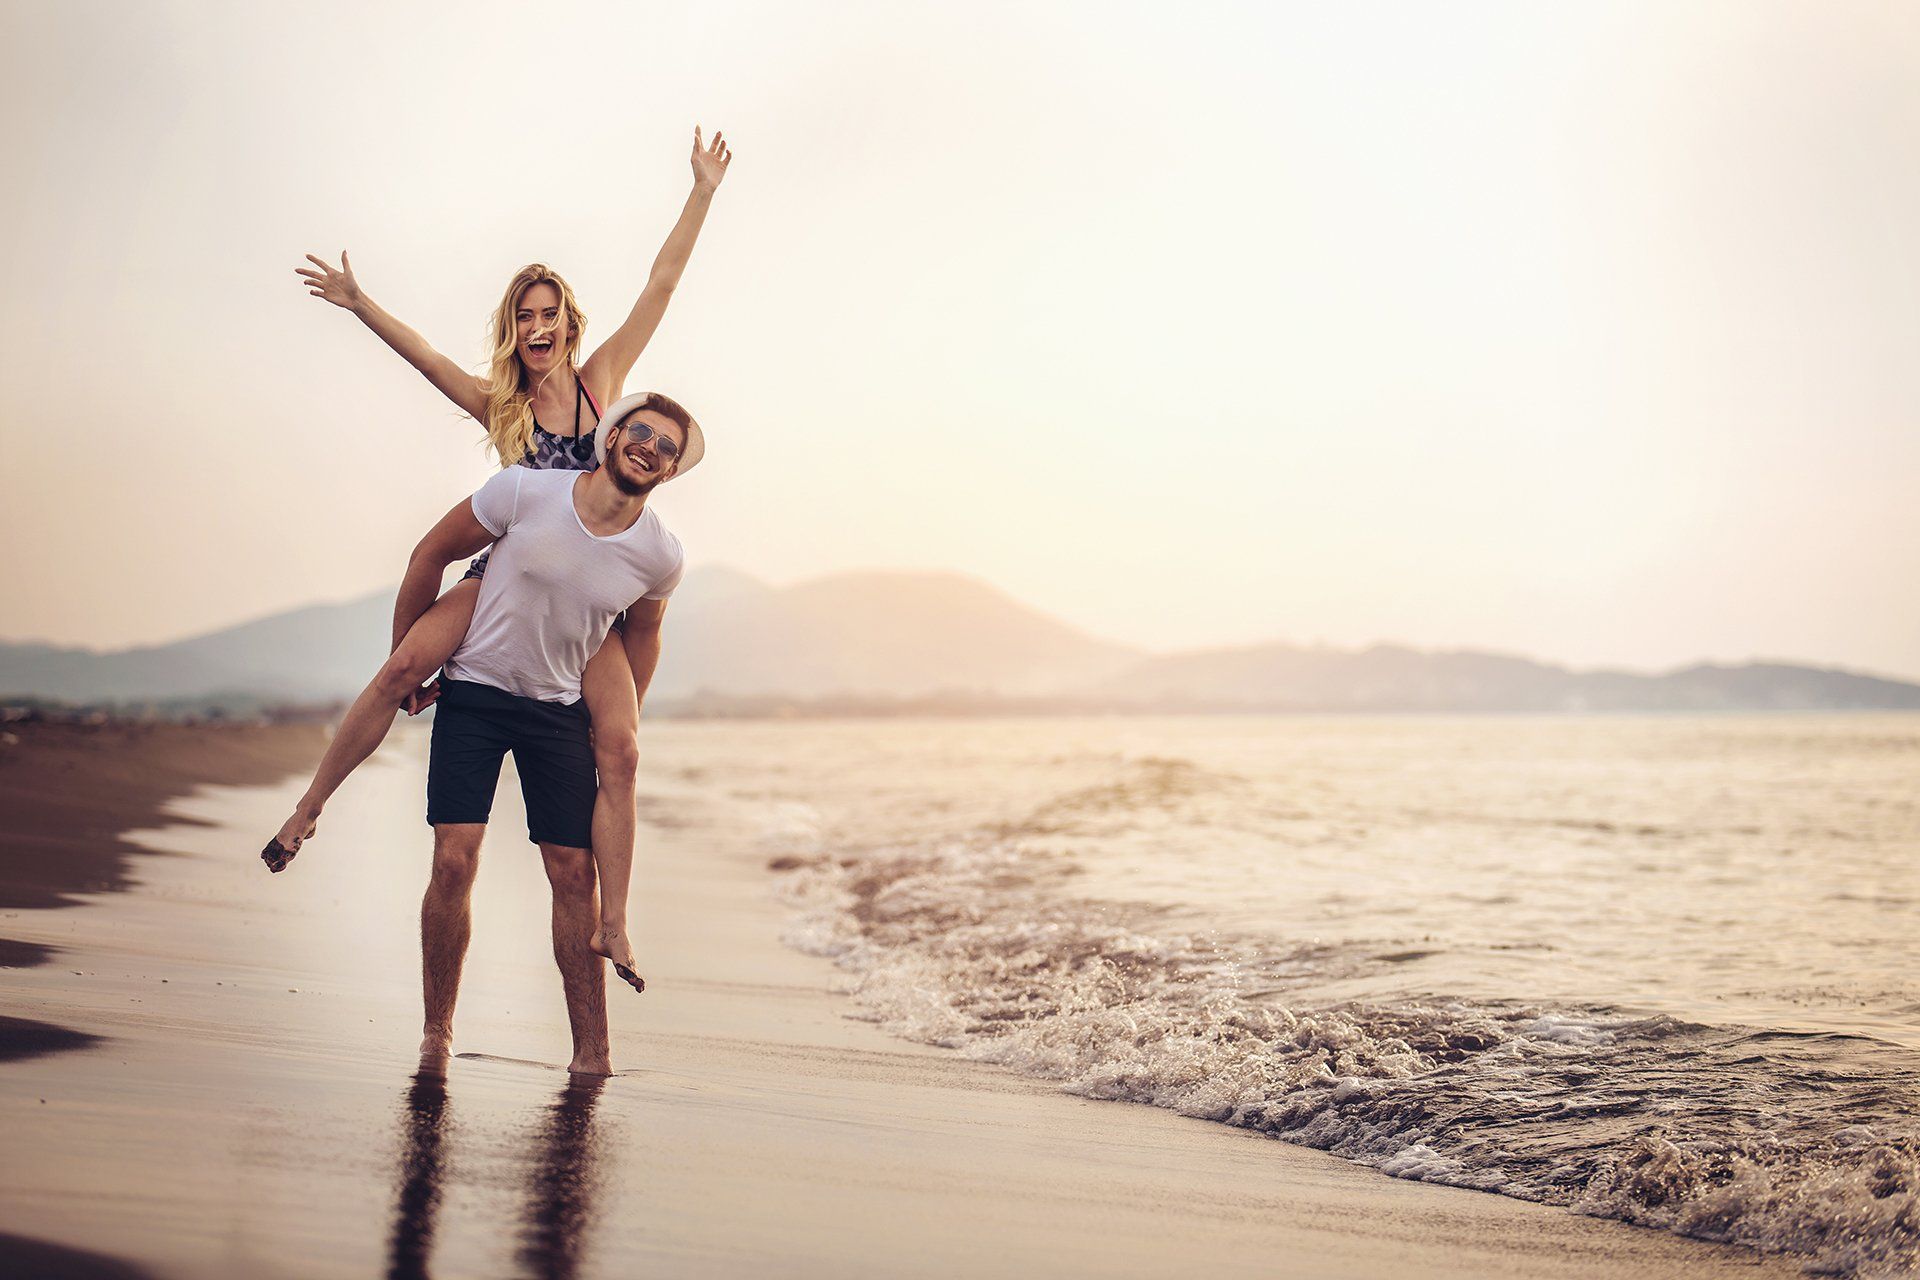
point(474, 725)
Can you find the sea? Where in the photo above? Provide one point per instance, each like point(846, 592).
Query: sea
point(1660, 969)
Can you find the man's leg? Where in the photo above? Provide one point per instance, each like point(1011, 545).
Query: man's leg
point(576, 911)
point(471, 735)
point(446, 923)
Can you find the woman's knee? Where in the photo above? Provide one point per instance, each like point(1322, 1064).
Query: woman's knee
point(402, 673)
point(616, 754)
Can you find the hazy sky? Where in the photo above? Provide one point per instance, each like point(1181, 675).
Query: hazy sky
point(1587, 332)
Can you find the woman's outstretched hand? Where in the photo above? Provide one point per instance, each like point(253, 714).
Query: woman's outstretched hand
point(709, 163)
point(338, 287)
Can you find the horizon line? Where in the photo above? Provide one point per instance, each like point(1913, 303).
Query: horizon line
point(1143, 651)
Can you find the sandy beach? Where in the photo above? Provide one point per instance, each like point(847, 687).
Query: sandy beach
point(210, 1074)
point(70, 791)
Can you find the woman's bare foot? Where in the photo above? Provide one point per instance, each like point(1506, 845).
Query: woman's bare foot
point(298, 828)
point(295, 832)
point(610, 941)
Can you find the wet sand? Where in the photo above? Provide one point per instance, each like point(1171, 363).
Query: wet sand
point(248, 1104)
point(69, 791)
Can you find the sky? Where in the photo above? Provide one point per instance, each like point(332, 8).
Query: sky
point(1578, 331)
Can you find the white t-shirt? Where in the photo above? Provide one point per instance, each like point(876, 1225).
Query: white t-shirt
point(552, 589)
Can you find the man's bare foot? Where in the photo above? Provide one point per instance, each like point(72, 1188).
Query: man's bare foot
point(610, 942)
point(436, 1044)
point(591, 1064)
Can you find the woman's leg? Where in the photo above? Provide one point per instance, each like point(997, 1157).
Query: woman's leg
point(607, 685)
point(424, 649)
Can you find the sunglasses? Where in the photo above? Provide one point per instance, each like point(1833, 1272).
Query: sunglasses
point(640, 433)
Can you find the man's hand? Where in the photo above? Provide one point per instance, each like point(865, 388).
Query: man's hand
point(710, 162)
point(422, 698)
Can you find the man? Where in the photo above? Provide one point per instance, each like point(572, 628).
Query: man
point(571, 551)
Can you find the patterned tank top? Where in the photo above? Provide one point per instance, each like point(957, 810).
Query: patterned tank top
point(553, 452)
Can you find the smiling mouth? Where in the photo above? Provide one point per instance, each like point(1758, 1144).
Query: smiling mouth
point(542, 345)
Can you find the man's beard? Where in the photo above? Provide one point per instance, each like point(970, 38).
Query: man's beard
point(632, 488)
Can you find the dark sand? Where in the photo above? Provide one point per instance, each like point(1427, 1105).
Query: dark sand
point(68, 792)
point(250, 1106)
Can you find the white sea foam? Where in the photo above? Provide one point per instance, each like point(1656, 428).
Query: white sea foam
point(1659, 969)
point(979, 945)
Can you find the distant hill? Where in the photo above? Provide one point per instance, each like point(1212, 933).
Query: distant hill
point(864, 634)
point(864, 643)
point(1391, 678)
point(899, 634)
point(317, 653)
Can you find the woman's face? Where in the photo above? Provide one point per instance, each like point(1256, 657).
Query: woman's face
point(540, 329)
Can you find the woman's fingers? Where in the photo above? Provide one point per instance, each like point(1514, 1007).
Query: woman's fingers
point(716, 152)
point(423, 697)
point(320, 263)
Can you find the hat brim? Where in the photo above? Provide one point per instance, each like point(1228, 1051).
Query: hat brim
point(618, 411)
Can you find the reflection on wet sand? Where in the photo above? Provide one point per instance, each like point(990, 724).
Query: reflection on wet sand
point(561, 1183)
point(559, 1180)
point(422, 1126)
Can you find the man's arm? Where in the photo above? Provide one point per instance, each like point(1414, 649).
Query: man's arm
point(459, 534)
point(642, 641)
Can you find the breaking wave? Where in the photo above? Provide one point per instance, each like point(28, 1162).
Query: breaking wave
point(1799, 1143)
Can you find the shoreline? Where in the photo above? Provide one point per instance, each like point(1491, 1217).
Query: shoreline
point(758, 1125)
point(72, 791)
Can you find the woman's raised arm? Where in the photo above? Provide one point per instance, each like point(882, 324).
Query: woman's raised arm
point(342, 290)
point(607, 368)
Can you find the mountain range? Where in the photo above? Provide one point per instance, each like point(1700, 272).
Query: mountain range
point(863, 642)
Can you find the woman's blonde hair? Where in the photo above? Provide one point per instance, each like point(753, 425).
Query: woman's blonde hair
point(509, 420)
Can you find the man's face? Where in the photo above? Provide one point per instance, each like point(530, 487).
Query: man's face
point(639, 464)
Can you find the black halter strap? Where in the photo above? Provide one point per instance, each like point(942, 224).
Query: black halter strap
point(579, 394)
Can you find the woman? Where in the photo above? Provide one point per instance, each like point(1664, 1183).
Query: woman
point(535, 376)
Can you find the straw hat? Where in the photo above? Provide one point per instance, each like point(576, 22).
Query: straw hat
point(619, 409)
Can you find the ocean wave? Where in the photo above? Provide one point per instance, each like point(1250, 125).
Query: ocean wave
point(1801, 1144)
point(1144, 783)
